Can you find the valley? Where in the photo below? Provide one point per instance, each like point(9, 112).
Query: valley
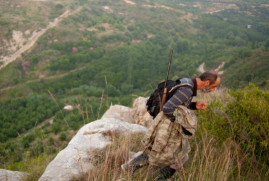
point(93, 54)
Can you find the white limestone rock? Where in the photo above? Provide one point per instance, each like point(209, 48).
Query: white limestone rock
point(140, 113)
point(119, 112)
point(77, 156)
point(68, 107)
point(7, 175)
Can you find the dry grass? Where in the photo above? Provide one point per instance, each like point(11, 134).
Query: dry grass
point(209, 160)
point(220, 94)
point(107, 162)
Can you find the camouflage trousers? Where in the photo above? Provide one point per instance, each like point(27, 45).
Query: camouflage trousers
point(166, 143)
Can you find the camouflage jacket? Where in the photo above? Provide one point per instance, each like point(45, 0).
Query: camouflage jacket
point(167, 142)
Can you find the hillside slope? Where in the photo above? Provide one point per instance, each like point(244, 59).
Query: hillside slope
point(110, 52)
point(249, 66)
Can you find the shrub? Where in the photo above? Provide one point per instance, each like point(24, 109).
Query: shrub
point(62, 137)
point(243, 118)
point(249, 113)
point(36, 149)
point(50, 150)
point(51, 141)
point(56, 127)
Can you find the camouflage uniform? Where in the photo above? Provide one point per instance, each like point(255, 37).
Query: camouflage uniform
point(166, 142)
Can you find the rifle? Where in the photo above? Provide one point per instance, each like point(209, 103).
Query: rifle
point(165, 89)
point(161, 108)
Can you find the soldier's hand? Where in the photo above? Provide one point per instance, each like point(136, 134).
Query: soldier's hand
point(201, 105)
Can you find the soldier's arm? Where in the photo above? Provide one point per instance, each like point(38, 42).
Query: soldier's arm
point(179, 98)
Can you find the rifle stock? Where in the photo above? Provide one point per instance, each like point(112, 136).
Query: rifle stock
point(165, 89)
point(164, 98)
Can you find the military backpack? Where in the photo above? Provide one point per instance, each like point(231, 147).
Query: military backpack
point(155, 99)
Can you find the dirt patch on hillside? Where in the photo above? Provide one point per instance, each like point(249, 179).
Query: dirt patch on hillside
point(149, 35)
point(18, 38)
point(248, 13)
point(108, 9)
point(92, 29)
point(108, 30)
point(105, 25)
point(217, 7)
point(136, 41)
point(181, 4)
point(197, 5)
point(16, 42)
point(158, 6)
point(164, 7)
point(130, 2)
point(189, 17)
point(264, 5)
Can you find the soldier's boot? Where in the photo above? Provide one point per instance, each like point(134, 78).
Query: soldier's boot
point(135, 164)
point(165, 173)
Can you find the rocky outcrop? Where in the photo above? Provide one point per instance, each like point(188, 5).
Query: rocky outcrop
point(140, 114)
point(78, 156)
point(7, 175)
point(119, 112)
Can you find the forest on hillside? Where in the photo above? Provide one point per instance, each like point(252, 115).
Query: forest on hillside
point(111, 52)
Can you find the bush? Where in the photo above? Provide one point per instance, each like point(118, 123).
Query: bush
point(56, 128)
point(51, 150)
point(249, 114)
point(36, 149)
point(62, 137)
point(243, 118)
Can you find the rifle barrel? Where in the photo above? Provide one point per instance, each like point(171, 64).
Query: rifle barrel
point(165, 89)
point(168, 69)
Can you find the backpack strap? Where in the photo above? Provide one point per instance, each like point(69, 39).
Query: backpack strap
point(180, 85)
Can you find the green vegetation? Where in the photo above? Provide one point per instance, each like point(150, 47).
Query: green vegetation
point(21, 114)
point(238, 69)
point(111, 52)
point(243, 117)
point(35, 167)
